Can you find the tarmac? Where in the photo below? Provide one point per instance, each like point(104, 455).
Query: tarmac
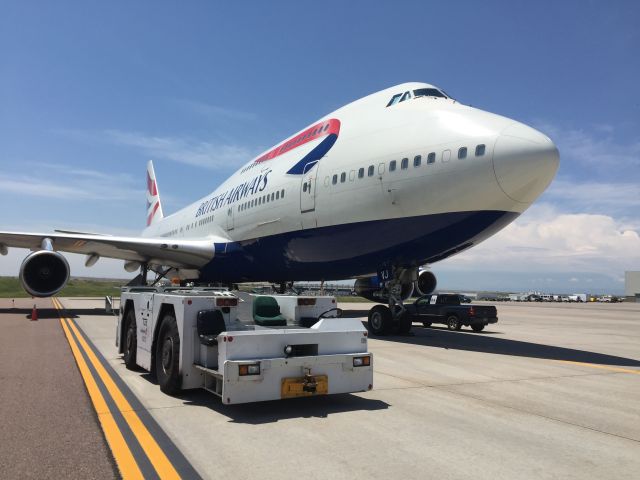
point(550, 391)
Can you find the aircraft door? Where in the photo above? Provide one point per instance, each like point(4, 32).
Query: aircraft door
point(308, 188)
point(230, 222)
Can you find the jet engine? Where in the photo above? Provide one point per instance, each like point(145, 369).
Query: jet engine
point(426, 282)
point(369, 288)
point(44, 273)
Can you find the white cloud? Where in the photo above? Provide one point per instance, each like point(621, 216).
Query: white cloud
point(23, 185)
point(191, 152)
point(544, 240)
point(597, 149)
point(596, 196)
point(71, 184)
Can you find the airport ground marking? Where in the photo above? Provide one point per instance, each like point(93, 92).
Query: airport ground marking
point(163, 466)
point(124, 458)
point(603, 367)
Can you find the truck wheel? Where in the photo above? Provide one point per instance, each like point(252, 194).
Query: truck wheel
point(453, 323)
point(130, 345)
point(380, 320)
point(426, 324)
point(477, 327)
point(168, 356)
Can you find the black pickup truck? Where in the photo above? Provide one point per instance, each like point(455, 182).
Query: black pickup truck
point(447, 309)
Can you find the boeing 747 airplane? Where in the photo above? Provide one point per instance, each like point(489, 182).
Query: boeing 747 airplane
point(375, 190)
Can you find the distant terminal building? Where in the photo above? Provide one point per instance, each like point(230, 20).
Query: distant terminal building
point(632, 286)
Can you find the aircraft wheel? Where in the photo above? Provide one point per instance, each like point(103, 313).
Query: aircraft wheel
point(130, 344)
point(380, 320)
point(168, 356)
point(404, 324)
point(453, 323)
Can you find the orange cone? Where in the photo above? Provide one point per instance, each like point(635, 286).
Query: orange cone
point(34, 313)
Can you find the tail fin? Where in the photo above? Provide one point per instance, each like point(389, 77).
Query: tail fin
point(154, 207)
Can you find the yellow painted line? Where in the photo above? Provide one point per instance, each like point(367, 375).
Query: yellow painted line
point(118, 445)
point(158, 459)
point(603, 367)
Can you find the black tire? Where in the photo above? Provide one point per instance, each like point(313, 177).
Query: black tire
point(380, 320)
point(477, 327)
point(130, 340)
point(168, 356)
point(453, 323)
point(404, 324)
point(426, 324)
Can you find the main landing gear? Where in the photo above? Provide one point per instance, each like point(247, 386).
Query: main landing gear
point(391, 319)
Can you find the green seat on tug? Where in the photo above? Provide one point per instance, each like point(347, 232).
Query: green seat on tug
point(266, 312)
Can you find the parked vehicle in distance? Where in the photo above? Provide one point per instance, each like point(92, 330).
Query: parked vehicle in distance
point(447, 309)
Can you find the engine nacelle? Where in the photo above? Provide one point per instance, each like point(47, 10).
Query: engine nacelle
point(426, 282)
point(370, 289)
point(44, 273)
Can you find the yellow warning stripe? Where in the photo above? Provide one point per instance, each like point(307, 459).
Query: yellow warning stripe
point(118, 445)
point(603, 367)
point(157, 457)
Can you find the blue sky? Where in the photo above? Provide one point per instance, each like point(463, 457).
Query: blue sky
point(89, 91)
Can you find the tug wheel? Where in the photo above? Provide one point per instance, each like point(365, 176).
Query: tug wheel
point(168, 356)
point(130, 341)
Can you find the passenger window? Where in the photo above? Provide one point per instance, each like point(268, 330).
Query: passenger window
point(304, 187)
point(446, 155)
point(352, 175)
point(272, 197)
point(370, 171)
point(361, 173)
point(431, 158)
point(462, 153)
point(404, 163)
point(480, 150)
point(392, 166)
point(417, 160)
point(334, 180)
point(326, 127)
point(282, 193)
point(343, 177)
point(278, 195)
point(381, 168)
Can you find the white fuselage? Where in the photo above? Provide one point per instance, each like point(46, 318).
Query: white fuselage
point(507, 165)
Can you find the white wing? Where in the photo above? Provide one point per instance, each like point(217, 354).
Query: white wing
point(178, 253)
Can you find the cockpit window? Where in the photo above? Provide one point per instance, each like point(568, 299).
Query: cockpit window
point(399, 97)
point(395, 99)
point(428, 92)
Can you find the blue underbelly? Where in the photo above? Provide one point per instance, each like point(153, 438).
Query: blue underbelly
point(345, 251)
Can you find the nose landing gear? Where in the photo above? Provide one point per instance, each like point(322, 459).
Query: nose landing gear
point(394, 318)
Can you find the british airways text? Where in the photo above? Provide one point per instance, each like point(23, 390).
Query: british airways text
point(246, 189)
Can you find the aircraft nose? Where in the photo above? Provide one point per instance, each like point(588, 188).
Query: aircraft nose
point(524, 161)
